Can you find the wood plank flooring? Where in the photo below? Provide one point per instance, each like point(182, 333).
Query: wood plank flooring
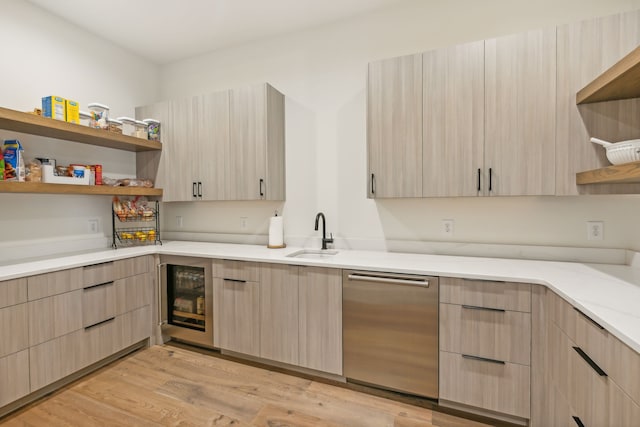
point(171, 386)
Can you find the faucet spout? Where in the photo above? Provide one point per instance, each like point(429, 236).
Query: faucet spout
point(325, 240)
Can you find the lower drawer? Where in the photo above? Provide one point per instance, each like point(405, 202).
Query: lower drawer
point(499, 387)
point(14, 377)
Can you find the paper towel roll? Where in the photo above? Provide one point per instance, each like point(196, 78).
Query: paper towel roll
point(276, 232)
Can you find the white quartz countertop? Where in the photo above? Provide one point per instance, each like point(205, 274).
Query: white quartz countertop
point(609, 294)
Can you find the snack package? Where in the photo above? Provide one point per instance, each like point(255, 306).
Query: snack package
point(34, 171)
point(1, 166)
point(13, 160)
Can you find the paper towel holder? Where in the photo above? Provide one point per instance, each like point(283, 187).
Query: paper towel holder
point(282, 246)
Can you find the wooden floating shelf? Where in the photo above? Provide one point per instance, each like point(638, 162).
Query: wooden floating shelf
point(105, 190)
point(621, 81)
point(617, 174)
point(36, 125)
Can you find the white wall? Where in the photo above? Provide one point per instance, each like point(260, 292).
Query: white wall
point(323, 73)
point(43, 55)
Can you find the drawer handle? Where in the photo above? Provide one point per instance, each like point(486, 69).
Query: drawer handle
point(475, 307)
point(483, 280)
point(483, 359)
point(234, 280)
point(591, 363)
point(391, 280)
point(99, 323)
point(100, 264)
point(589, 318)
point(98, 285)
point(578, 421)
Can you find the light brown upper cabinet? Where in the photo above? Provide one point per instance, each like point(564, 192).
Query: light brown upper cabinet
point(394, 127)
point(255, 167)
point(453, 121)
point(520, 113)
point(585, 50)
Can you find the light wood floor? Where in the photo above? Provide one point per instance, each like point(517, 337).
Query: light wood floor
point(166, 385)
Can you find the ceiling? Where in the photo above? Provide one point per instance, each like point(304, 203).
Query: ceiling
point(165, 31)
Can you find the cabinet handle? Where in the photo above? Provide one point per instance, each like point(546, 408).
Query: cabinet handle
point(591, 363)
point(578, 421)
point(483, 359)
point(490, 179)
point(99, 323)
point(98, 285)
point(589, 318)
point(194, 192)
point(200, 189)
point(475, 307)
point(261, 190)
point(373, 184)
point(389, 279)
point(478, 179)
point(235, 280)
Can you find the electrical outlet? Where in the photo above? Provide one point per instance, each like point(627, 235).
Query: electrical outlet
point(595, 230)
point(447, 227)
point(93, 226)
point(179, 222)
point(243, 222)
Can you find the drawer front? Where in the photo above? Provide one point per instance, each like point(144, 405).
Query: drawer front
point(59, 282)
point(13, 292)
point(241, 270)
point(132, 327)
point(55, 359)
point(623, 411)
point(99, 341)
point(624, 368)
point(132, 266)
point(503, 388)
point(14, 329)
point(55, 316)
point(500, 335)
point(14, 377)
point(133, 292)
point(98, 304)
point(501, 295)
point(98, 273)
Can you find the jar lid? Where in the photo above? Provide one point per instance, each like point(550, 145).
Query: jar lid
point(97, 105)
point(147, 121)
point(127, 120)
point(141, 123)
point(114, 121)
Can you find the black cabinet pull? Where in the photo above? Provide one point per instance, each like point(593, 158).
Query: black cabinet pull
point(234, 280)
point(194, 192)
point(373, 184)
point(478, 179)
point(490, 179)
point(483, 359)
point(589, 318)
point(200, 189)
point(578, 421)
point(591, 363)
point(97, 286)
point(99, 323)
point(475, 307)
point(261, 191)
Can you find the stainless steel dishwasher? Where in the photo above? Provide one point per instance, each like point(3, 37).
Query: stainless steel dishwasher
point(390, 331)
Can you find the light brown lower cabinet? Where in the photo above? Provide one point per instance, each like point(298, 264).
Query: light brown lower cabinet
point(238, 309)
point(98, 303)
point(14, 377)
point(55, 359)
point(54, 316)
point(14, 329)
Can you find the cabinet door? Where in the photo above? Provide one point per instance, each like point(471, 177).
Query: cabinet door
point(14, 329)
point(453, 125)
point(55, 359)
point(14, 377)
point(394, 127)
point(154, 164)
point(279, 313)
point(520, 107)
point(212, 128)
point(13, 292)
point(54, 316)
point(240, 315)
point(320, 307)
point(586, 49)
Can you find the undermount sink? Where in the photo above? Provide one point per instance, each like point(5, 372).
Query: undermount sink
point(313, 254)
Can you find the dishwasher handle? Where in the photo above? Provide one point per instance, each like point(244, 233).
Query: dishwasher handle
point(392, 280)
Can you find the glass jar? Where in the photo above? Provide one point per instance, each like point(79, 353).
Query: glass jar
point(114, 125)
point(128, 125)
point(85, 118)
point(153, 129)
point(141, 130)
point(99, 115)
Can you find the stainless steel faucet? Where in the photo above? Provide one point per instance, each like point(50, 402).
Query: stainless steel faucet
point(324, 230)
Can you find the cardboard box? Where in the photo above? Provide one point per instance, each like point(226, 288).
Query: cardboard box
point(72, 111)
point(54, 107)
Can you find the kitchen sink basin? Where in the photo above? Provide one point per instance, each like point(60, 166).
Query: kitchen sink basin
point(313, 254)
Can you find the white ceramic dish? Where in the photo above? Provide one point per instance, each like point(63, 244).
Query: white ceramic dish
point(621, 152)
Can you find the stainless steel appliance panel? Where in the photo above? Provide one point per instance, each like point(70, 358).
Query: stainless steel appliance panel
point(390, 331)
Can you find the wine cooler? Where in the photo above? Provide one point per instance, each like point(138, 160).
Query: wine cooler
point(187, 305)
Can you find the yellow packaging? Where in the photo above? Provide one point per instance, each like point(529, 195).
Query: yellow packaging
point(72, 111)
point(53, 107)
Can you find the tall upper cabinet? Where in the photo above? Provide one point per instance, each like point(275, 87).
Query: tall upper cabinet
point(394, 127)
point(520, 113)
point(586, 49)
point(453, 121)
